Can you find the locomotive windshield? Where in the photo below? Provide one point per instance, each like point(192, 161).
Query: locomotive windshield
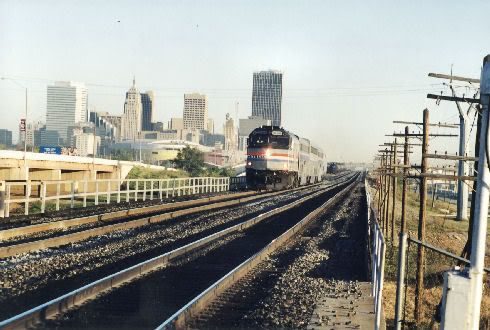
point(262, 140)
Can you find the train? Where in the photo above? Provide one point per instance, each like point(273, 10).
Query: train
point(278, 159)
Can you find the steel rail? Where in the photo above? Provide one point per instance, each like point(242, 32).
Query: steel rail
point(15, 249)
point(179, 319)
point(120, 214)
point(69, 300)
point(112, 216)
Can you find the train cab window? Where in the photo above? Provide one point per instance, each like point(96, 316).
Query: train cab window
point(280, 142)
point(258, 140)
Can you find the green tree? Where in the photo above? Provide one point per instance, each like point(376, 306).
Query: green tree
point(190, 160)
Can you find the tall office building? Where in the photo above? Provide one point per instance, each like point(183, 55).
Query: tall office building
point(147, 110)
point(230, 134)
point(66, 106)
point(5, 138)
point(195, 111)
point(267, 96)
point(131, 119)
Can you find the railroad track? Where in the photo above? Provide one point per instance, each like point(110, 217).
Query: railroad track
point(53, 234)
point(202, 248)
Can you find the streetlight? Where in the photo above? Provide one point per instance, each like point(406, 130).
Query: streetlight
point(25, 127)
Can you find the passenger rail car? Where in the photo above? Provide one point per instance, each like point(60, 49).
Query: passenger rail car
point(278, 159)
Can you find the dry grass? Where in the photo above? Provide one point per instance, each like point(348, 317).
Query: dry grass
point(441, 231)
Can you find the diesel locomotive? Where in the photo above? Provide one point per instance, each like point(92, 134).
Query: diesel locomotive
point(278, 159)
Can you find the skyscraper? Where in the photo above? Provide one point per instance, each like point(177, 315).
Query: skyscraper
point(147, 111)
point(267, 95)
point(66, 106)
point(230, 134)
point(131, 119)
point(195, 111)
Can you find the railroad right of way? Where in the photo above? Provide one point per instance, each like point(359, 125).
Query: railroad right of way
point(33, 278)
point(228, 252)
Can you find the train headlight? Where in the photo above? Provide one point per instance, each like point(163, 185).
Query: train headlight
point(268, 153)
point(249, 163)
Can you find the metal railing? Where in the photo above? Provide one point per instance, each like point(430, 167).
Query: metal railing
point(438, 261)
point(80, 193)
point(378, 252)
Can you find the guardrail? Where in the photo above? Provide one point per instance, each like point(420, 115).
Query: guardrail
point(378, 252)
point(81, 192)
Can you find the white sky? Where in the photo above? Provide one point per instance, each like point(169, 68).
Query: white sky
point(350, 67)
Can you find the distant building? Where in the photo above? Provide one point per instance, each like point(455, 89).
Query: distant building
point(176, 123)
point(267, 96)
point(131, 119)
point(48, 138)
point(246, 126)
point(30, 132)
point(210, 126)
point(158, 126)
point(6, 137)
point(108, 126)
point(230, 134)
point(87, 144)
point(147, 103)
point(211, 140)
point(66, 106)
point(195, 111)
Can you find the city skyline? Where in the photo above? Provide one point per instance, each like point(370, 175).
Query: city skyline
point(341, 84)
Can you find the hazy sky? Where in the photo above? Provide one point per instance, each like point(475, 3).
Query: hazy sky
point(350, 67)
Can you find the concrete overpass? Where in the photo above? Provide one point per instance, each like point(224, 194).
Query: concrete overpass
point(37, 166)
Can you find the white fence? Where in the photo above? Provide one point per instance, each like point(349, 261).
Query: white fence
point(81, 192)
point(378, 251)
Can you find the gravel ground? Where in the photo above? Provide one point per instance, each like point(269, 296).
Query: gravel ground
point(33, 278)
point(327, 260)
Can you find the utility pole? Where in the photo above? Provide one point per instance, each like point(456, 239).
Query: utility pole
point(481, 205)
point(388, 184)
point(462, 202)
point(422, 213)
point(395, 157)
point(462, 206)
point(403, 224)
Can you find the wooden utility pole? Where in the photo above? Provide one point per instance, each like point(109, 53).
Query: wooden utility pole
point(403, 225)
point(422, 213)
point(395, 157)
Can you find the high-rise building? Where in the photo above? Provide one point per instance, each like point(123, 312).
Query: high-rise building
point(66, 106)
point(147, 110)
point(230, 133)
point(131, 119)
point(195, 111)
point(176, 123)
point(267, 96)
point(5, 138)
point(29, 133)
point(87, 144)
point(210, 126)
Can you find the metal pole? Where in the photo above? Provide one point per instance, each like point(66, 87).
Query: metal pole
point(394, 194)
point(404, 189)
point(462, 207)
point(400, 286)
point(422, 212)
point(381, 190)
point(388, 179)
point(481, 205)
point(25, 144)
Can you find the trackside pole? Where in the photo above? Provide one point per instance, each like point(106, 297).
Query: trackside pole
point(481, 205)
